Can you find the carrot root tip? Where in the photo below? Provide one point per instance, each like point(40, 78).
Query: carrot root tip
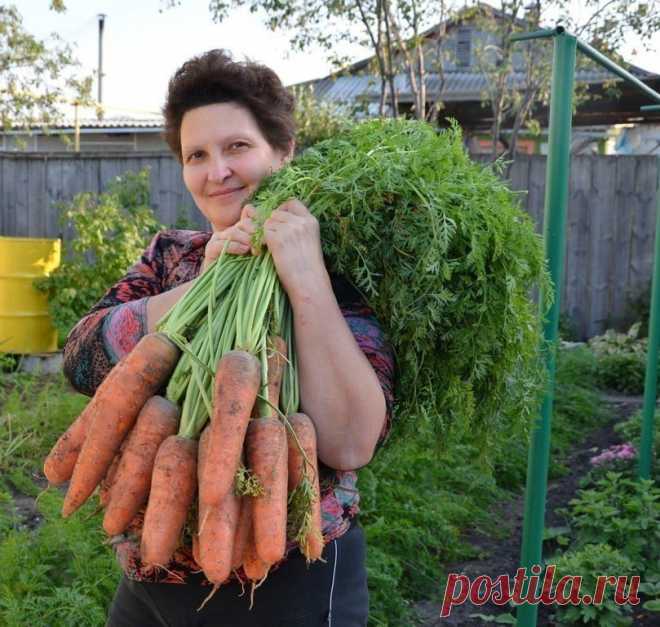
point(208, 597)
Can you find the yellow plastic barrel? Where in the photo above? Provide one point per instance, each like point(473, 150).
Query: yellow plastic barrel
point(25, 325)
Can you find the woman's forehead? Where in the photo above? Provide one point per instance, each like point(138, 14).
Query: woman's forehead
point(223, 120)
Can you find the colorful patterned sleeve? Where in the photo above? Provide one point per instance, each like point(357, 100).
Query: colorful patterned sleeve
point(371, 339)
point(116, 323)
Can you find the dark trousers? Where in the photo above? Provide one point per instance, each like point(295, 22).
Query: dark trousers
point(333, 593)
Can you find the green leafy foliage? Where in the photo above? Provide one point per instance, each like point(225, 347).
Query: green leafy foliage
point(442, 252)
point(59, 573)
point(589, 562)
point(621, 360)
point(316, 120)
point(111, 231)
point(623, 513)
point(631, 429)
point(414, 502)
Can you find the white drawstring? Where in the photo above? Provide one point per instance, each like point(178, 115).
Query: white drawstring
point(332, 585)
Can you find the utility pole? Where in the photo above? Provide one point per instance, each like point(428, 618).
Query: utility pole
point(101, 17)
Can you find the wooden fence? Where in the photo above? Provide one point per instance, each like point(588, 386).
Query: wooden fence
point(611, 216)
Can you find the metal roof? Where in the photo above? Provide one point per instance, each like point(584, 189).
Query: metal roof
point(118, 124)
point(457, 87)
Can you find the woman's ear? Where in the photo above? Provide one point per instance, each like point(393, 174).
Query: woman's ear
point(292, 151)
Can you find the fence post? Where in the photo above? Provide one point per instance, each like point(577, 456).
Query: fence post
point(651, 380)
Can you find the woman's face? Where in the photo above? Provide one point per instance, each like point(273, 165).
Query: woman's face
point(225, 157)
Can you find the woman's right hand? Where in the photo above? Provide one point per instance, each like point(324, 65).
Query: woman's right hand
point(239, 237)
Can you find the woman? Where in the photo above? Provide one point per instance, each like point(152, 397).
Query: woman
point(230, 124)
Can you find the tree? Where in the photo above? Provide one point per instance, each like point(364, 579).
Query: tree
point(392, 29)
point(36, 76)
point(518, 75)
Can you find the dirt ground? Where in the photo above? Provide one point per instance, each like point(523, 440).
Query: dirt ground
point(503, 554)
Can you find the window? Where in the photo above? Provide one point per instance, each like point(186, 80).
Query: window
point(463, 47)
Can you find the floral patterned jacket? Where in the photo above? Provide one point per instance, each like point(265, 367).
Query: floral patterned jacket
point(116, 323)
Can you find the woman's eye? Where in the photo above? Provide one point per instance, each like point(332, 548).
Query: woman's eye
point(238, 145)
point(194, 156)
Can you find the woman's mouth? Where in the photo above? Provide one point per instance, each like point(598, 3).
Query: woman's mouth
point(224, 193)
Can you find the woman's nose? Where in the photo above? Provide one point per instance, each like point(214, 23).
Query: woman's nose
point(219, 170)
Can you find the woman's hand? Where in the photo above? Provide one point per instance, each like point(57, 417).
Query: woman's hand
point(293, 237)
point(239, 238)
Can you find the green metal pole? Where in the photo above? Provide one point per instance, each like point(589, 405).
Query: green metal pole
point(596, 56)
point(537, 34)
point(648, 413)
point(554, 231)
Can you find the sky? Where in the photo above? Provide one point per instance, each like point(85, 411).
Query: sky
point(143, 45)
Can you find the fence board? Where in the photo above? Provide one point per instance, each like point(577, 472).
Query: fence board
point(21, 198)
point(610, 221)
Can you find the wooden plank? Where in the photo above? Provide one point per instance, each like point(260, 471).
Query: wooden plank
point(3, 213)
point(602, 204)
point(536, 187)
point(40, 223)
point(164, 199)
point(54, 194)
point(624, 220)
point(577, 233)
point(21, 198)
point(641, 207)
point(109, 169)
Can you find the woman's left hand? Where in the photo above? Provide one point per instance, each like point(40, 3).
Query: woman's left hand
point(293, 237)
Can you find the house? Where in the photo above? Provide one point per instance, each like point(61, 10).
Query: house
point(462, 87)
point(118, 134)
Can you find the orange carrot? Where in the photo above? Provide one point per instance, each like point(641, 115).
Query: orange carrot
point(116, 404)
point(300, 469)
point(158, 419)
point(172, 492)
point(106, 483)
point(216, 538)
point(254, 567)
point(267, 456)
point(242, 532)
point(236, 386)
point(59, 464)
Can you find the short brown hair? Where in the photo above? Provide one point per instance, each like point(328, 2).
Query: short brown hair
point(214, 77)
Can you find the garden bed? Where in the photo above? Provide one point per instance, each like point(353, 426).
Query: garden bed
point(500, 554)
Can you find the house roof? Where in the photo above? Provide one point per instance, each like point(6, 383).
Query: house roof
point(116, 124)
point(457, 86)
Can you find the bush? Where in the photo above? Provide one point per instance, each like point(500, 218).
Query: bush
point(589, 562)
point(111, 231)
point(622, 372)
point(623, 513)
point(621, 360)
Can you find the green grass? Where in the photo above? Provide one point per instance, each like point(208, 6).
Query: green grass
point(60, 573)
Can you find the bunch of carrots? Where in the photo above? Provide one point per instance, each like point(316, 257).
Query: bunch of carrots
point(227, 430)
